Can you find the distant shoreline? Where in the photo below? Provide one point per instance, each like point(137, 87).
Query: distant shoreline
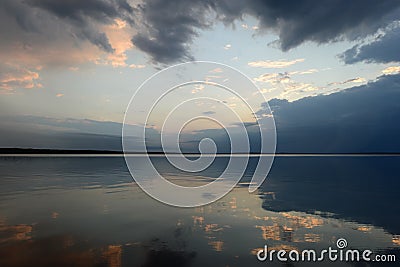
point(54, 151)
point(40, 151)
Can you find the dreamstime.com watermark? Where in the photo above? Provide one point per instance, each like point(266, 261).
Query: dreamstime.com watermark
point(339, 253)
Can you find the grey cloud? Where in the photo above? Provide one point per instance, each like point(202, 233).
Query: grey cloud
point(79, 10)
point(171, 26)
point(383, 50)
point(322, 22)
point(167, 29)
point(53, 19)
point(45, 132)
point(97, 38)
point(359, 119)
point(245, 124)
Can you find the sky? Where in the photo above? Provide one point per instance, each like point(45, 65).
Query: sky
point(330, 70)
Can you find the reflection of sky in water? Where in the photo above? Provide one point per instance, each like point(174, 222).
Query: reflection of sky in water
point(86, 212)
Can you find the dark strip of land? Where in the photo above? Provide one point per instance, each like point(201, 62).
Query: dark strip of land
point(54, 151)
point(37, 151)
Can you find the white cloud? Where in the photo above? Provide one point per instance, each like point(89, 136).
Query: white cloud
point(198, 88)
point(274, 64)
point(297, 86)
point(216, 70)
point(353, 80)
point(310, 71)
point(134, 66)
point(14, 77)
point(391, 70)
point(119, 35)
point(267, 77)
point(276, 77)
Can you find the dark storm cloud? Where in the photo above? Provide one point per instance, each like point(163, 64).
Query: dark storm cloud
point(73, 17)
point(101, 10)
point(359, 119)
point(307, 20)
point(170, 26)
point(167, 29)
point(384, 50)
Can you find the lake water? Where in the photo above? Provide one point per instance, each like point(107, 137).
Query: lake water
point(87, 211)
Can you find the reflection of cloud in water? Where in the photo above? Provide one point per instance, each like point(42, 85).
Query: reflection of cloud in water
point(303, 221)
point(216, 245)
point(364, 228)
point(281, 229)
point(198, 220)
point(168, 258)
point(48, 252)
point(270, 232)
point(313, 238)
point(212, 228)
point(8, 233)
point(55, 215)
point(113, 255)
point(107, 221)
point(233, 203)
point(66, 250)
point(396, 240)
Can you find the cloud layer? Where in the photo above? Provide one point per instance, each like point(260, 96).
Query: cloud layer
point(36, 34)
point(171, 26)
point(165, 30)
point(274, 64)
point(360, 119)
point(384, 49)
point(25, 21)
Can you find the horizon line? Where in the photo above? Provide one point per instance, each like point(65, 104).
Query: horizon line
point(220, 155)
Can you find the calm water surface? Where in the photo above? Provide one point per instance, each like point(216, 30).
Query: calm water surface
point(88, 212)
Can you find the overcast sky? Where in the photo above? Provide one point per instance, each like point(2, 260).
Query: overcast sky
point(71, 67)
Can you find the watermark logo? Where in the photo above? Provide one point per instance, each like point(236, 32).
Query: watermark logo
point(341, 243)
point(166, 104)
point(339, 253)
